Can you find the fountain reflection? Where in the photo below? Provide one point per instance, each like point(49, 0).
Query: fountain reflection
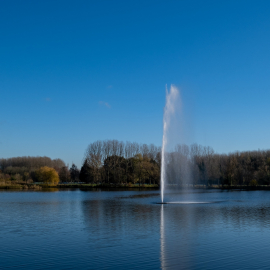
point(175, 248)
point(182, 236)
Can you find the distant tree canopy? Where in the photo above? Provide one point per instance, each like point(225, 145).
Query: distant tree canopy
point(115, 162)
point(74, 173)
point(30, 163)
point(64, 174)
point(201, 165)
point(25, 168)
point(47, 175)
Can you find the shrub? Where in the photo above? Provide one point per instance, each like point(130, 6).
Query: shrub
point(253, 183)
point(47, 175)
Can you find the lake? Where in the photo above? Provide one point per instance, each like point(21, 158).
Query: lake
point(74, 229)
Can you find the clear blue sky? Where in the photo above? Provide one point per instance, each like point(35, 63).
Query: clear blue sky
point(72, 72)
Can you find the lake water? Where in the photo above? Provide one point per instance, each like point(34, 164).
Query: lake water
point(128, 230)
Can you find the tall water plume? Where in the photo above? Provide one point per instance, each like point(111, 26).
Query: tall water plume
point(173, 104)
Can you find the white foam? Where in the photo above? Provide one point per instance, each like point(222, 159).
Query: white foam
point(188, 202)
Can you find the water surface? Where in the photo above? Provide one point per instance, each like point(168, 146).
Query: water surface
point(128, 230)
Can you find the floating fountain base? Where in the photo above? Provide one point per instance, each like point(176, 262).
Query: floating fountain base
point(161, 203)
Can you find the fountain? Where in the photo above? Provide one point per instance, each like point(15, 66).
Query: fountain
point(172, 101)
point(177, 167)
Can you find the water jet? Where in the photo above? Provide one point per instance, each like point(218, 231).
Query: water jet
point(172, 101)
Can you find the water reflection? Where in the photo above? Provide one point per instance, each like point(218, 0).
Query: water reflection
point(187, 233)
point(119, 216)
point(123, 231)
point(128, 230)
point(162, 238)
point(207, 236)
point(175, 238)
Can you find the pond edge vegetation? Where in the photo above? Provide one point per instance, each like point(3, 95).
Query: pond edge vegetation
point(115, 164)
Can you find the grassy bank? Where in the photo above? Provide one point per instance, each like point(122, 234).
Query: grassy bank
point(40, 186)
point(74, 185)
point(20, 186)
point(241, 187)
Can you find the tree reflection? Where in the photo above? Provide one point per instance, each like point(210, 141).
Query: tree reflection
point(181, 236)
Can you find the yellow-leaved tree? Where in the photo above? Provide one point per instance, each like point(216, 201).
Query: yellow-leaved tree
point(47, 175)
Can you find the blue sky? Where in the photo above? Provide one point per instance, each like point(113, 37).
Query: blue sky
point(72, 72)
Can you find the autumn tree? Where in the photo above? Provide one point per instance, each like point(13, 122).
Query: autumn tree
point(47, 175)
point(24, 168)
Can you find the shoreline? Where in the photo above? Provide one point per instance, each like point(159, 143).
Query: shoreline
point(24, 186)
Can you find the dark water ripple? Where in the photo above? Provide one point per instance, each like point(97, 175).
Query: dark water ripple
point(128, 230)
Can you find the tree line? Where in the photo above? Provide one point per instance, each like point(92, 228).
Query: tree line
point(198, 165)
point(114, 161)
point(34, 169)
point(117, 162)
